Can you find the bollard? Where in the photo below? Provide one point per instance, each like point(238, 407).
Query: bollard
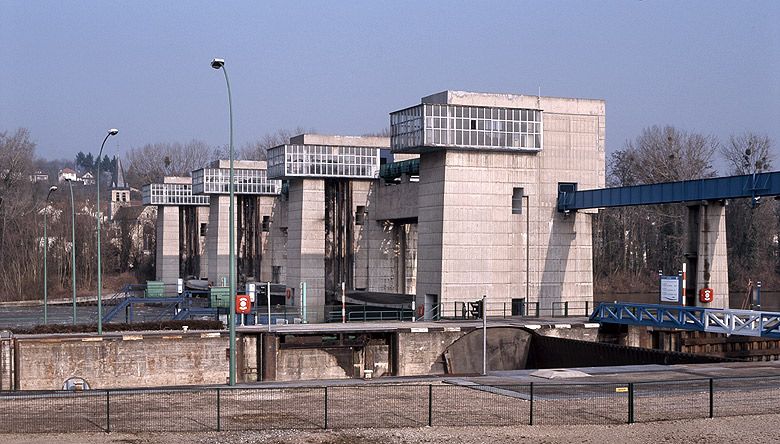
point(108, 412)
point(712, 400)
point(430, 405)
point(219, 426)
point(326, 407)
point(531, 405)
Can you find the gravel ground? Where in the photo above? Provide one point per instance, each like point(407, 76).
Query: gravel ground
point(743, 429)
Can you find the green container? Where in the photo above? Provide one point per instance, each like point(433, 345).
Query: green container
point(155, 289)
point(220, 297)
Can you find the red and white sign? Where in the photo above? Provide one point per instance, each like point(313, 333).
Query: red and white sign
point(243, 304)
point(706, 295)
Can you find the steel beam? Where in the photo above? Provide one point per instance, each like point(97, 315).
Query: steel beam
point(754, 186)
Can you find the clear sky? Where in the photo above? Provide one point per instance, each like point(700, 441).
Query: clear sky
point(72, 69)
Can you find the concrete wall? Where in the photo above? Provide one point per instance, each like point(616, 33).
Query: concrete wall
point(363, 195)
point(580, 332)
point(168, 249)
point(306, 241)
point(420, 352)
point(122, 360)
point(300, 364)
point(507, 349)
point(218, 238)
point(277, 238)
point(398, 201)
point(382, 248)
point(6, 364)
point(265, 207)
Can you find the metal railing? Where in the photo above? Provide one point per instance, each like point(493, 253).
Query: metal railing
point(382, 405)
point(565, 309)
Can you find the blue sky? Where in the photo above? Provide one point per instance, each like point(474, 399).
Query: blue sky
point(73, 69)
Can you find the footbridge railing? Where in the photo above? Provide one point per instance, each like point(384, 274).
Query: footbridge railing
point(726, 321)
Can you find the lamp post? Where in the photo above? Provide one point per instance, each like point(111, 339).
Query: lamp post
point(111, 132)
point(220, 64)
point(73, 246)
point(45, 260)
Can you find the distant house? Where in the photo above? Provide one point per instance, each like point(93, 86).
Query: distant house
point(67, 174)
point(87, 178)
point(39, 176)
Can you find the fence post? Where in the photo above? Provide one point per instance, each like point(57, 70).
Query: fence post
point(531, 406)
point(108, 411)
point(712, 400)
point(566, 309)
point(430, 405)
point(587, 308)
point(504, 310)
point(631, 403)
point(326, 407)
point(537, 309)
point(219, 425)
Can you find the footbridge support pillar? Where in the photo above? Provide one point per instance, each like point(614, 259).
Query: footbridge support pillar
point(706, 255)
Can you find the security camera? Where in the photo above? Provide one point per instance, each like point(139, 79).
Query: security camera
point(113, 131)
point(217, 63)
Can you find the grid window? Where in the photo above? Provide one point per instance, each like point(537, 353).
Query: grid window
point(172, 194)
point(246, 181)
point(466, 126)
point(323, 161)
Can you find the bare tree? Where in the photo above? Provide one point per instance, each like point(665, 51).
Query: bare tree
point(258, 149)
point(752, 226)
point(633, 243)
point(152, 162)
point(748, 153)
point(19, 218)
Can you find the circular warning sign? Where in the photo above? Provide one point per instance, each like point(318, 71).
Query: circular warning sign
point(243, 304)
point(706, 295)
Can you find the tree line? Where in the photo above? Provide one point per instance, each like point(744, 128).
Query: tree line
point(23, 204)
point(631, 244)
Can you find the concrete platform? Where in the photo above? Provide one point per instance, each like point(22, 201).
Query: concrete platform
point(407, 326)
point(633, 373)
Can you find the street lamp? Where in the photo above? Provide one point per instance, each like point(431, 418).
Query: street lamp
point(45, 260)
point(73, 246)
point(220, 64)
point(111, 132)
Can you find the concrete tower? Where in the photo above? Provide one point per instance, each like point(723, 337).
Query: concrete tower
point(490, 169)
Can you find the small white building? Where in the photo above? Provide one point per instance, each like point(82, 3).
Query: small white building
point(87, 178)
point(39, 176)
point(67, 174)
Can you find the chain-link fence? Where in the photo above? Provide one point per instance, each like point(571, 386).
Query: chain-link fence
point(382, 405)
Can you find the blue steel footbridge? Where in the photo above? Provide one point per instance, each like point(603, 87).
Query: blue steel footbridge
point(754, 186)
point(713, 320)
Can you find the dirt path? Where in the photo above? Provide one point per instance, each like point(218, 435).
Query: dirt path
point(743, 429)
